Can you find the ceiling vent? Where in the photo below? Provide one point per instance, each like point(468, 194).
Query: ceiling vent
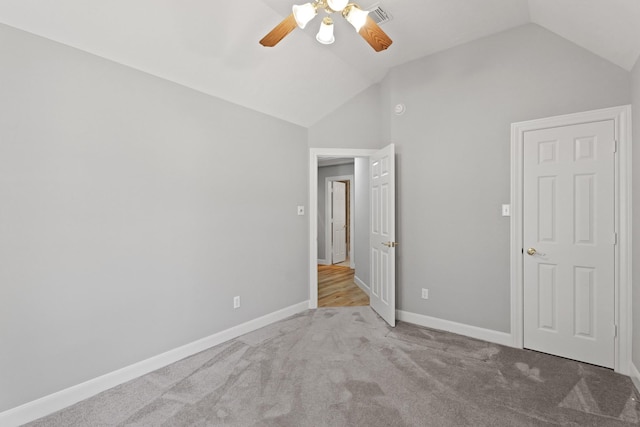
point(380, 16)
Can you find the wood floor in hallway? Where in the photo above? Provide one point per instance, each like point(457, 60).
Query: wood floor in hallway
point(336, 288)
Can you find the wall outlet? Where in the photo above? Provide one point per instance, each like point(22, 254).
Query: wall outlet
point(236, 302)
point(425, 293)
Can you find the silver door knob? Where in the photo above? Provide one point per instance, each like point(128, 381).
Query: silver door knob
point(532, 251)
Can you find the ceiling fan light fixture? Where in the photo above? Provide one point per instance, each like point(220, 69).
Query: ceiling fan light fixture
point(337, 5)
point(304, 13)
point(365, 23)
point(355, 16)
point(325, 34)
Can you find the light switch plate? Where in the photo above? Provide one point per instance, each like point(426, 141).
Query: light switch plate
point(506, 210)
point(300, 210)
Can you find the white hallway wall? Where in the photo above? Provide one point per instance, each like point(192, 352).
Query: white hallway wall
point(131, 208)
point(453, 157)
point(361, 225)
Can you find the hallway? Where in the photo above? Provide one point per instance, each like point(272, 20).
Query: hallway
point(336, 288)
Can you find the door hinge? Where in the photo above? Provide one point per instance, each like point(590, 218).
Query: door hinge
point(615, 331)
point(615, 146)
point(615, 239)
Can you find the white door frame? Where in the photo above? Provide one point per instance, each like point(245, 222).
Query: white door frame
point(328, 248)
point(314, 154)
point(623, 262)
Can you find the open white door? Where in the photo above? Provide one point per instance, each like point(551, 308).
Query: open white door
point(339, 221)
point(382, 233)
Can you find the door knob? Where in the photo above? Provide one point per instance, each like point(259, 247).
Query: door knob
point(390, 244)
point(532, 251)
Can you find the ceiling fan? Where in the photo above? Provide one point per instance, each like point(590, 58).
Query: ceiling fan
point(302, 14)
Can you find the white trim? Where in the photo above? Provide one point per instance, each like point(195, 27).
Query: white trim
point(314, 153)
point(323, 262)
point(489, 335)
point(635, 375)
point(361, 284)
point(328, 247)
point(54, 402)
point(622, 122)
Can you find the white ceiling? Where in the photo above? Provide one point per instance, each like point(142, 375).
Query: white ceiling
point(212, 45)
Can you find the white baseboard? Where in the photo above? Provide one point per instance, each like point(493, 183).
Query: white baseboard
point(635, 375)
point(489, 335)
point(54, 402)
point(322, 262)
point(361, 284)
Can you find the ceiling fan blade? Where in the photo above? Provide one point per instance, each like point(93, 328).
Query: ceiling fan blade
point(280, 31)
point(372, 33)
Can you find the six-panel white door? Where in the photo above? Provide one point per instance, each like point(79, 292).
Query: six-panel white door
point(339, 221)
point(382, 234)
point(569, 242)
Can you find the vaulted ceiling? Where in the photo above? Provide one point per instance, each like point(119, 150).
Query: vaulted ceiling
point(212, 45)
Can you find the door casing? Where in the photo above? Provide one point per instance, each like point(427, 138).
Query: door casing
point(314, 154)
point(623, 203)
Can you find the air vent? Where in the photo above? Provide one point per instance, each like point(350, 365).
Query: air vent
point(379, 15)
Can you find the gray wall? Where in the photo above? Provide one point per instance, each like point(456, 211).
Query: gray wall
point(323, 173)
point(454, 160)
point(361, 255)
point(131, 209)
point(354, 125)
point(453, 147)
point(635, 91)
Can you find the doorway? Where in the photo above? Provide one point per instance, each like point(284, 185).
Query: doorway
point(337, 223)
point(336, 234)
point(378, 236)
point(555, 207)
point(315, 155)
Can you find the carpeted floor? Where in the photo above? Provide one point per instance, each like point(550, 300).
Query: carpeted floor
point(346, 367)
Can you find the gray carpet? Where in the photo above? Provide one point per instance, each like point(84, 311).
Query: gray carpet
point(345, 367)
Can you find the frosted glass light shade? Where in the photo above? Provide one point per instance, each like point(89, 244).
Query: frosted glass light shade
point(356, 17)
point(304, 13)
point(337, 5)
point(325, 35)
